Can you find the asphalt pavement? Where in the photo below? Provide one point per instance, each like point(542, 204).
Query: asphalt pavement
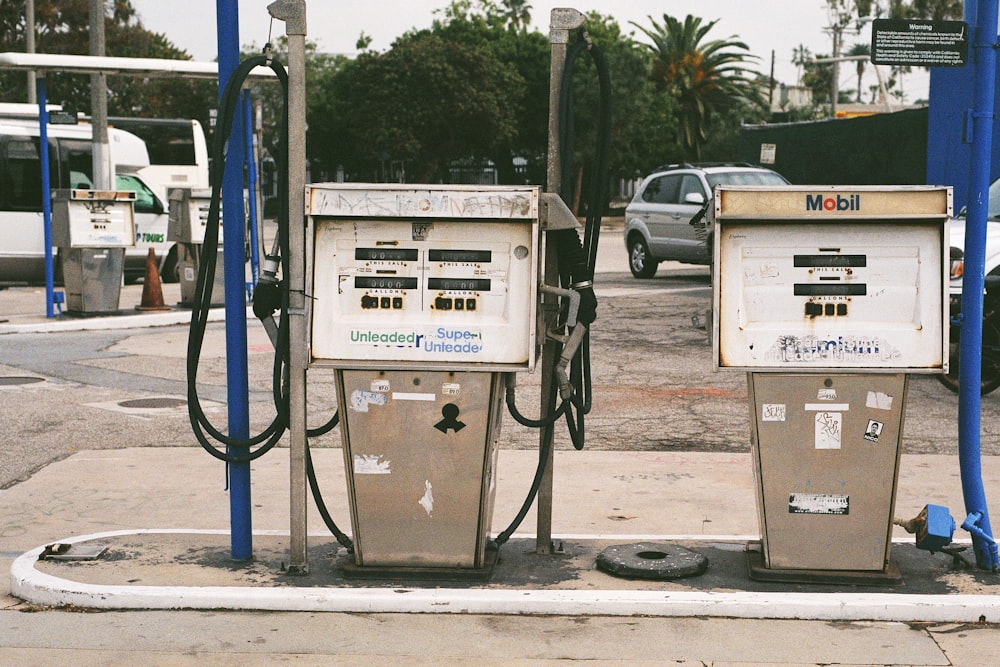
point(98, 453)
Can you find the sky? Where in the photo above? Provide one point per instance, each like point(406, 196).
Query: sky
point(777, 26)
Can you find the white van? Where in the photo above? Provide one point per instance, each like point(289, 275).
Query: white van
point(177, 152)
point(22, 235)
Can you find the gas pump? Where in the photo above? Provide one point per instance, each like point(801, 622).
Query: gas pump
point(188, 218)
point(829, 298)
point(92, 228)
point(424, 300)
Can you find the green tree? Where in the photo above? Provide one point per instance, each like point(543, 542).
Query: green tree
point(708, 78)
point(62, 28)
point(859, 65)
point(427, 101)
point(510, 44)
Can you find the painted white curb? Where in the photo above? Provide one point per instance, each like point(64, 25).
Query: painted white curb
point(111, 322)
point(44, 589)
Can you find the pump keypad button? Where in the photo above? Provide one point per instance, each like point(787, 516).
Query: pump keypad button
point(470, 304)
point(442, 303)
point(369, 302)
point(386, 302)
point(397, 302)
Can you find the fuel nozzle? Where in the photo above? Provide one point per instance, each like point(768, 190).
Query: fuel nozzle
point(268, 293)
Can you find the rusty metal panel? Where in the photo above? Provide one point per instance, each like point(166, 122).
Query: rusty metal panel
point(826, 459)
point(420, 451)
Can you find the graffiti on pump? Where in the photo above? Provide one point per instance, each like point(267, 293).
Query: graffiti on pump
point(842, 349)
point(838, 203)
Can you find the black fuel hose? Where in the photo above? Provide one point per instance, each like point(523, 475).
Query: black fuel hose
point(201, 425)
point(576, 269)
point(267, 299)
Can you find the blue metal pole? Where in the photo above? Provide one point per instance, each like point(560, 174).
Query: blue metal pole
point(971, 342)
point(252, 187)
point(234, 233)
point(43, 158)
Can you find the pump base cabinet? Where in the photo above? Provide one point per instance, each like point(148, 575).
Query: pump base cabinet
point(420, 448)
point(826, 458)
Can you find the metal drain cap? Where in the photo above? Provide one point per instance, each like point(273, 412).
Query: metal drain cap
point(651, 560)
point(151, 403)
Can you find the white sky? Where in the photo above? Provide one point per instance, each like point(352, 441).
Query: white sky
point(335, 25)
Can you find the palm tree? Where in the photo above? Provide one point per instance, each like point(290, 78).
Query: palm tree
point(517, 13)
point(707, 78)
point(859, 50)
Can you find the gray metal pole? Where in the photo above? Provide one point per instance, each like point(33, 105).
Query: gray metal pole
point(293, 13)
point(99, 102)
point(560, 23)
point(29, 47)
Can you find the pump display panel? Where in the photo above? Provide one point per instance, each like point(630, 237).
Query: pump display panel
point(93, 218)
point(832, 278)
point(446, 276)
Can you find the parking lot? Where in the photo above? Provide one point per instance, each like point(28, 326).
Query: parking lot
point(655, 388)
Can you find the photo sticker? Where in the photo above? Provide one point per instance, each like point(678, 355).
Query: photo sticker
point(873, 430)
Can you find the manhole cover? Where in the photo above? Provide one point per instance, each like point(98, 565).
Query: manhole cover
point(150, 403)
point(16, 380)
point(648, 560)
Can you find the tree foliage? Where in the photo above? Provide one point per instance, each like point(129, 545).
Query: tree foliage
point(62, 27)
point(707, 78)
point(426, 101)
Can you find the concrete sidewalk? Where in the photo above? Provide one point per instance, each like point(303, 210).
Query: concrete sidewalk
point(23, 310)
point(162, 513)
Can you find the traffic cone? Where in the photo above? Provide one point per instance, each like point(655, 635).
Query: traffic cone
point(152, 290)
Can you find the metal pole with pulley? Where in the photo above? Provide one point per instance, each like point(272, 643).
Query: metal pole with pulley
point(561, 22)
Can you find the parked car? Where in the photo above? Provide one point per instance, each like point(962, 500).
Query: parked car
point(657, 221)
point(957, 241)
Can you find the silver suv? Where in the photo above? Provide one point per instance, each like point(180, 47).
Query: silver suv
point(657, 221)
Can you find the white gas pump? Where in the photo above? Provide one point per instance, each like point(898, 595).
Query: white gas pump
point(423, 298)
point(188, 218)
point(829, 297)
point(92, 228)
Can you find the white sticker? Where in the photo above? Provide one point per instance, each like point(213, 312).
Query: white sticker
point(360, 399)
point(427, 501)
point(828, 430)
point(827, 407)
point(818, 503)
point(380, 386)
point(826, 395)
point(371, 464)
point(878, 401)
point(451, 389)
point(412, 396)
point(773, 412)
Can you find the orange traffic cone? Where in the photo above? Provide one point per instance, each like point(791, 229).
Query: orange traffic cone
point(152, 290)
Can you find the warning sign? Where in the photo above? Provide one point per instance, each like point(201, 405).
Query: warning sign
point(920, 42)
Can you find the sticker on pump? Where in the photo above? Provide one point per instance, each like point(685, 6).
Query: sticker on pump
point(828, 429)
point(819, 503)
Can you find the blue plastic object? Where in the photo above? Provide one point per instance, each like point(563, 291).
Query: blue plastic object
point(937, 530)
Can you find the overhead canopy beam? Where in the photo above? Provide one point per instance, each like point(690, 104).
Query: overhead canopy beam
point(145, 67)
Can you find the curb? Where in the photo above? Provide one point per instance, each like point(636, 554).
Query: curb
point(39, 588)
